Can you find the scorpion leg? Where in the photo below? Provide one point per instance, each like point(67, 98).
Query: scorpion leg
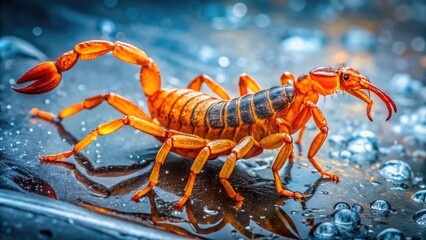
point(174, 141)
point(196, 83)
point(239, 151)
point(107, 128)
point(213, 147)
point(246, 82)
point(274, 141)
point(118, 102)
point(319, 139)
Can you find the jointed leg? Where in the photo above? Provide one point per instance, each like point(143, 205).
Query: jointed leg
point(319, 139)
point(107, 128)
point(239, 151)
point(176, 141)
point(213, 85)
point(120, 103)
point(247, 82)
point(301, 132)
point(213, 147)
point(272, 142)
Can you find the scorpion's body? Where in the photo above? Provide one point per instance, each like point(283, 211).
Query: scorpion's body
point(200, 126)
point(198, 113)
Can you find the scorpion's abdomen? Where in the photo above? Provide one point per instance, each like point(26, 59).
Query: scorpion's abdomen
point(248, 109)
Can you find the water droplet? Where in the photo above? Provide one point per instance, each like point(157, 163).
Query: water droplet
point(132, 13)
point(396, 170)
point(262, 21)
point(390, 234)
point(223, 61)
point(37, 31)
point(381, 208)
point(297, 5)
point(418, 44)
point(347, 218)
point(363, 147)
point(420, 217)
point(399, 186)
point(398, 47)
point(239, 9)
point(303, 40)
point(357, 208)
point(326, 230)
point(406, 84)
point(341, 205)
point(420, 196)
point(107, 27)
point(358, 39)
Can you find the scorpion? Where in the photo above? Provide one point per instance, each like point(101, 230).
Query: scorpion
point(202, 127)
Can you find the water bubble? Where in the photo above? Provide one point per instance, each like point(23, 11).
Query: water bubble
point(363, 147)
point(358, 39)
point(239, 9)
point(380, 207)
point(262, 20)
point(420, 196)
point(223, 61)
point(396, 170)
point(132, 13)
point(418, 44)
point(303, 40)
point(206, 53)
point(107, 27)
point(341, 205)
point(390, 234)
point(357, 208)
point(398, 48)
point(326, 230)
point(337, 141)
point(347, 218)
point(37, 31)
point(406, 84)
point(297, 5)
point(399, 186)
point(420, 217)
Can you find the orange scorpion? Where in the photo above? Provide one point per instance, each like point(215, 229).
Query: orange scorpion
point(197, 125)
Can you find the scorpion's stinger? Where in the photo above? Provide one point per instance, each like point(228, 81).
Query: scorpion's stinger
point(45, 76)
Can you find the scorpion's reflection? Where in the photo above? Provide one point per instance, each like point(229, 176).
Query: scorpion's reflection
point(262, 205)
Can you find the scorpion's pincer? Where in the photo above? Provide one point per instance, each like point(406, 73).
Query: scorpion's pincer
point(45, 76)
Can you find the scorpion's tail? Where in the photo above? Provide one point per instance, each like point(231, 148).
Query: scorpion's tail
point(47, 75)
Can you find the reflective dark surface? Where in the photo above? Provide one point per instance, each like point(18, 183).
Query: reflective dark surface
point(384, 40)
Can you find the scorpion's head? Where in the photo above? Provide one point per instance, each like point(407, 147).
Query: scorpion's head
point(331, 79)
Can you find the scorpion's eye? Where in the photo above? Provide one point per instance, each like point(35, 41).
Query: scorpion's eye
point(346, 77)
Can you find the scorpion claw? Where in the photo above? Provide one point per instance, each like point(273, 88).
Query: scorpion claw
point(45, 76)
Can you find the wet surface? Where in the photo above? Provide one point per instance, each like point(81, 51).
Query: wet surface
point(382, 164)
